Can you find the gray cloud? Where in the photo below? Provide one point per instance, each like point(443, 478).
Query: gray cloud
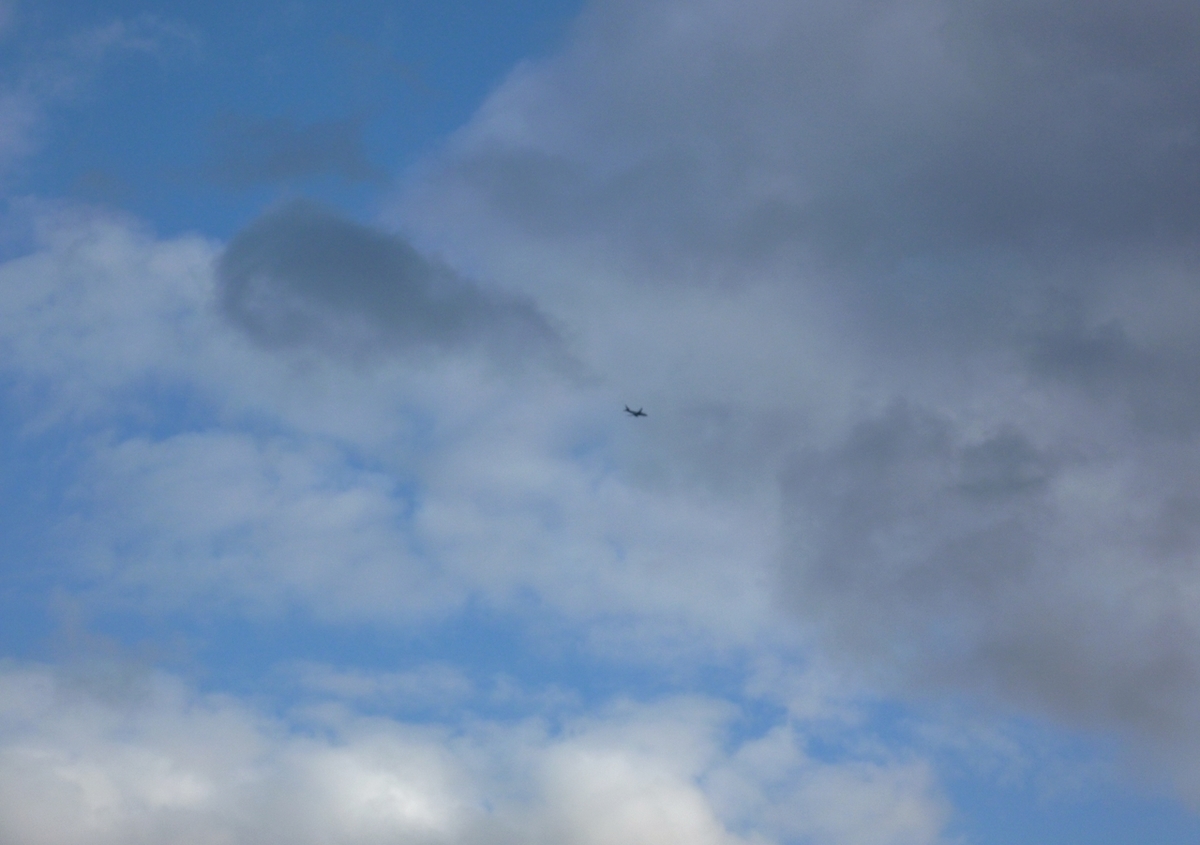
point(249, 152)
point(1156, 387)
point(301, 276)
point(952, 560)
point(873, 135)
point(990, 213)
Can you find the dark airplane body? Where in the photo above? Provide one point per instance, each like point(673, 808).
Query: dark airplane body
point(638, 413)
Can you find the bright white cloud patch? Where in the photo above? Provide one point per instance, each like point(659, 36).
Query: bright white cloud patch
point(149, 761)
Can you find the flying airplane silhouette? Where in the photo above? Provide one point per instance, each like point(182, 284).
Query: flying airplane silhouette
point(638, 413)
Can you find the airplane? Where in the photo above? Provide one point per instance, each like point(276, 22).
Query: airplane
point(638, 413)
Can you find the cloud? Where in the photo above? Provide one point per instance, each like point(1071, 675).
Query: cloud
point(908, 291)
point(248, 152)
point(210, 473)
point(301, 276)
point(262, 524)
point(860, 801)
point(956, 247)
point(875, 138)
point(19, 118)
point(160, 764)
point(429, 684)
point(98, 308)
point(988, 562)
point(153, 761)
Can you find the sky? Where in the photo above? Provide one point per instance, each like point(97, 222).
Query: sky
point(321, 520)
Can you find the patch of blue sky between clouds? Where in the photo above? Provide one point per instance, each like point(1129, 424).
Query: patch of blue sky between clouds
point(241, 104)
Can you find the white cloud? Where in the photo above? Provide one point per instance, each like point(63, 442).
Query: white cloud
point(211, 469)
point(156, 762)
point(99, 308)
point(268, 523)
point(770, 781)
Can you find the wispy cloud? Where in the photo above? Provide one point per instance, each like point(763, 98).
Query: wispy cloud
point(248, 152)
point(56, 70)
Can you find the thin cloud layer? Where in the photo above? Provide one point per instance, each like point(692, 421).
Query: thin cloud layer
point(981, 218)
point(278, 150)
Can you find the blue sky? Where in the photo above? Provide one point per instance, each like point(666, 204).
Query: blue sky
point(322, 521)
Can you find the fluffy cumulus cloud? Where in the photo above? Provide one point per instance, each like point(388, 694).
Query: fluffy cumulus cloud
point(138, 757)
point(952, 250)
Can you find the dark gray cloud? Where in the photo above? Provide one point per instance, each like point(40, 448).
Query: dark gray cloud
point(1155, 387)
point(879, 137)
point(248, 152)
point(950, 171)
point(953, 560)
point(300, 276)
